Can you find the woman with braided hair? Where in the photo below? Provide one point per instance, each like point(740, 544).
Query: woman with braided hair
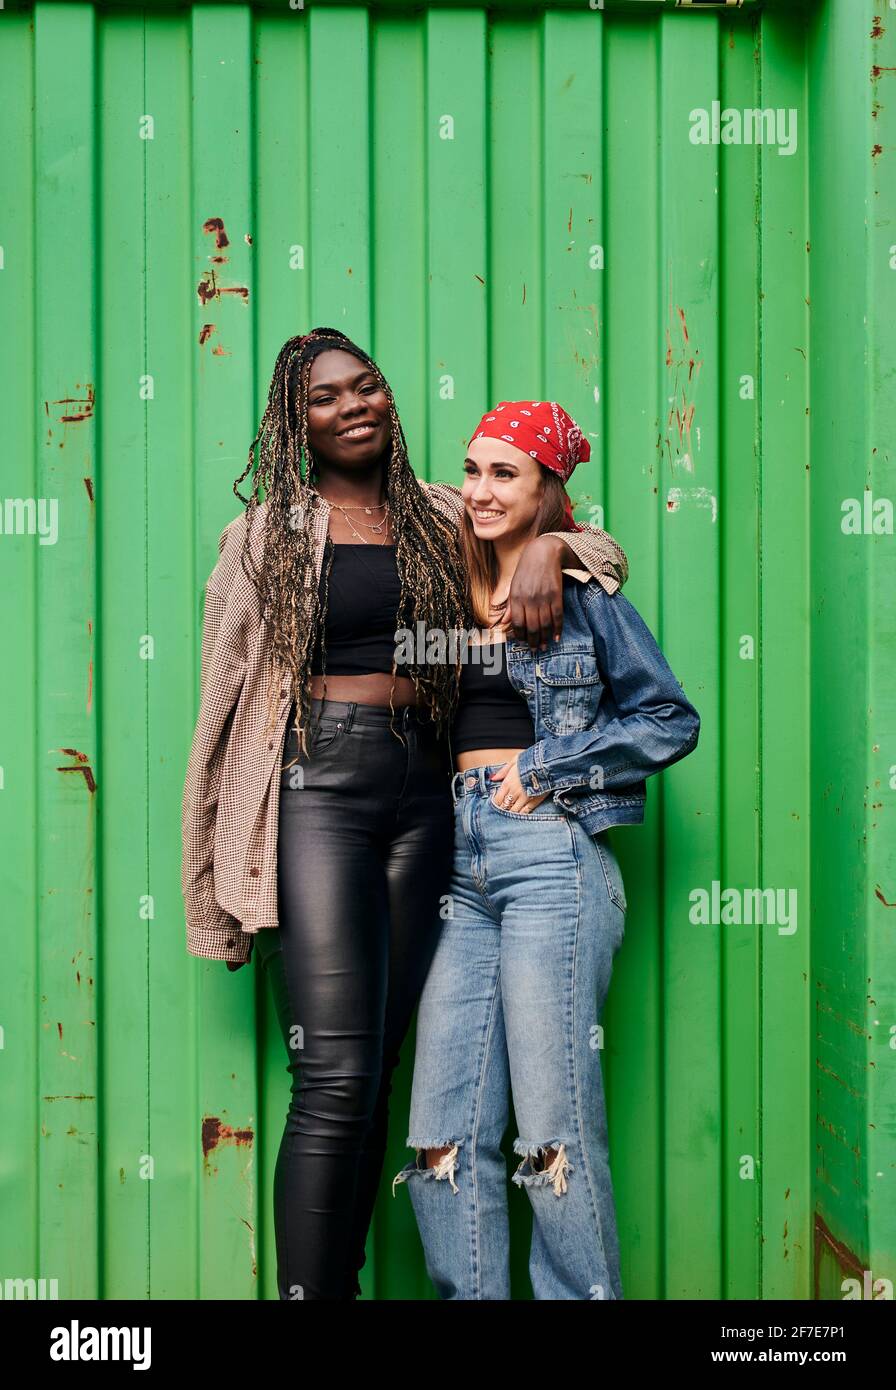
point(317, 799)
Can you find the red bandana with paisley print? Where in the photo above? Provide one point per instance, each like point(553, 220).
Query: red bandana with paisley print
point(544, 431)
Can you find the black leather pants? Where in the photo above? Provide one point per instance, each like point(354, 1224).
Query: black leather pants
point(364, 855)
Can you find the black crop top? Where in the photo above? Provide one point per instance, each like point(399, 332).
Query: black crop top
point(490, 712)
point(362, 609)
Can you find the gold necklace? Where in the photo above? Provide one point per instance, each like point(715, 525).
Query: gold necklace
point(374, 506)
point(377, 526)
point(377, 506)
point(372, 528)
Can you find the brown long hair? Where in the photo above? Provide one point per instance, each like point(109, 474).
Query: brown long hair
point(430, 568)
point(479, 555)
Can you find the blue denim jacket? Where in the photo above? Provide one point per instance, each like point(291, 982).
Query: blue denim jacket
point(607, 709)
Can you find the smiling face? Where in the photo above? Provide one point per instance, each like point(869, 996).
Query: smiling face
point(348, 410)
point(502, 489)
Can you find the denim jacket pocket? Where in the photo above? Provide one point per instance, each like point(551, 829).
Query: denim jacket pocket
point(568, 690)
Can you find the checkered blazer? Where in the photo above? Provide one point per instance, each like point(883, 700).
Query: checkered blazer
point(231, 798)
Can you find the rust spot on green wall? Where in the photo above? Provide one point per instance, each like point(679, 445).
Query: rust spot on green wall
point(209, 289)
point(215, 1133)
point(83, 766)
point(825, 1240)
point(216, 225)
point(86, 404)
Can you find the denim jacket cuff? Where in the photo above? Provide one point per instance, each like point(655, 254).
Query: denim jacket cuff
point(533, 775)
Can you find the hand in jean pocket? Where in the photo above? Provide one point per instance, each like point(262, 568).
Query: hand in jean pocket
point(510, 794)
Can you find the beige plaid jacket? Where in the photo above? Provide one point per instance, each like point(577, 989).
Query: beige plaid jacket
point(231, 799)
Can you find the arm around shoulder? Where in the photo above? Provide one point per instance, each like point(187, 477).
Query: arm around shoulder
point(596, 551)
point(446, 498)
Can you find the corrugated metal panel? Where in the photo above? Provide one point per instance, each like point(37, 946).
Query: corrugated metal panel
point(192, 186)
point(852, 193)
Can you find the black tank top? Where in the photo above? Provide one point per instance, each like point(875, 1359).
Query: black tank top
point(490, 712)
point(362, 609)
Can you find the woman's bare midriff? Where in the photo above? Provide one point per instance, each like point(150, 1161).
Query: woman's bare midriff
point(371, 689)
point(481, 757)
point(374, 689)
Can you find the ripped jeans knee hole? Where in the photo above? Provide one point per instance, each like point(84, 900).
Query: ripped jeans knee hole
point(547, 1163)
point(443, 1160)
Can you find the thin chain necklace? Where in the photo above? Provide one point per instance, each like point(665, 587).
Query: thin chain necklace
point(378, 526)
point(383, 525)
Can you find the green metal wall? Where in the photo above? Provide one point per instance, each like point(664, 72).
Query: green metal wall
point(732, 363)
point(852, 612)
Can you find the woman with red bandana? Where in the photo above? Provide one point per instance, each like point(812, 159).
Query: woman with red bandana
point(550, 749)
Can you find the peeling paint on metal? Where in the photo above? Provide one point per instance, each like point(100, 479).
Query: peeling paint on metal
point(701, 495)
point(216, 225)
point(209, 289)
point(86, 403)
point(850, 1263)
point(215, 1133)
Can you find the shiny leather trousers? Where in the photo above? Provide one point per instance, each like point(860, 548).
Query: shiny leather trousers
point(365, 844)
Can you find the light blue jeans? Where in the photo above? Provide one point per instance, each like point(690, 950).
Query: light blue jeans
point(511, 1005)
